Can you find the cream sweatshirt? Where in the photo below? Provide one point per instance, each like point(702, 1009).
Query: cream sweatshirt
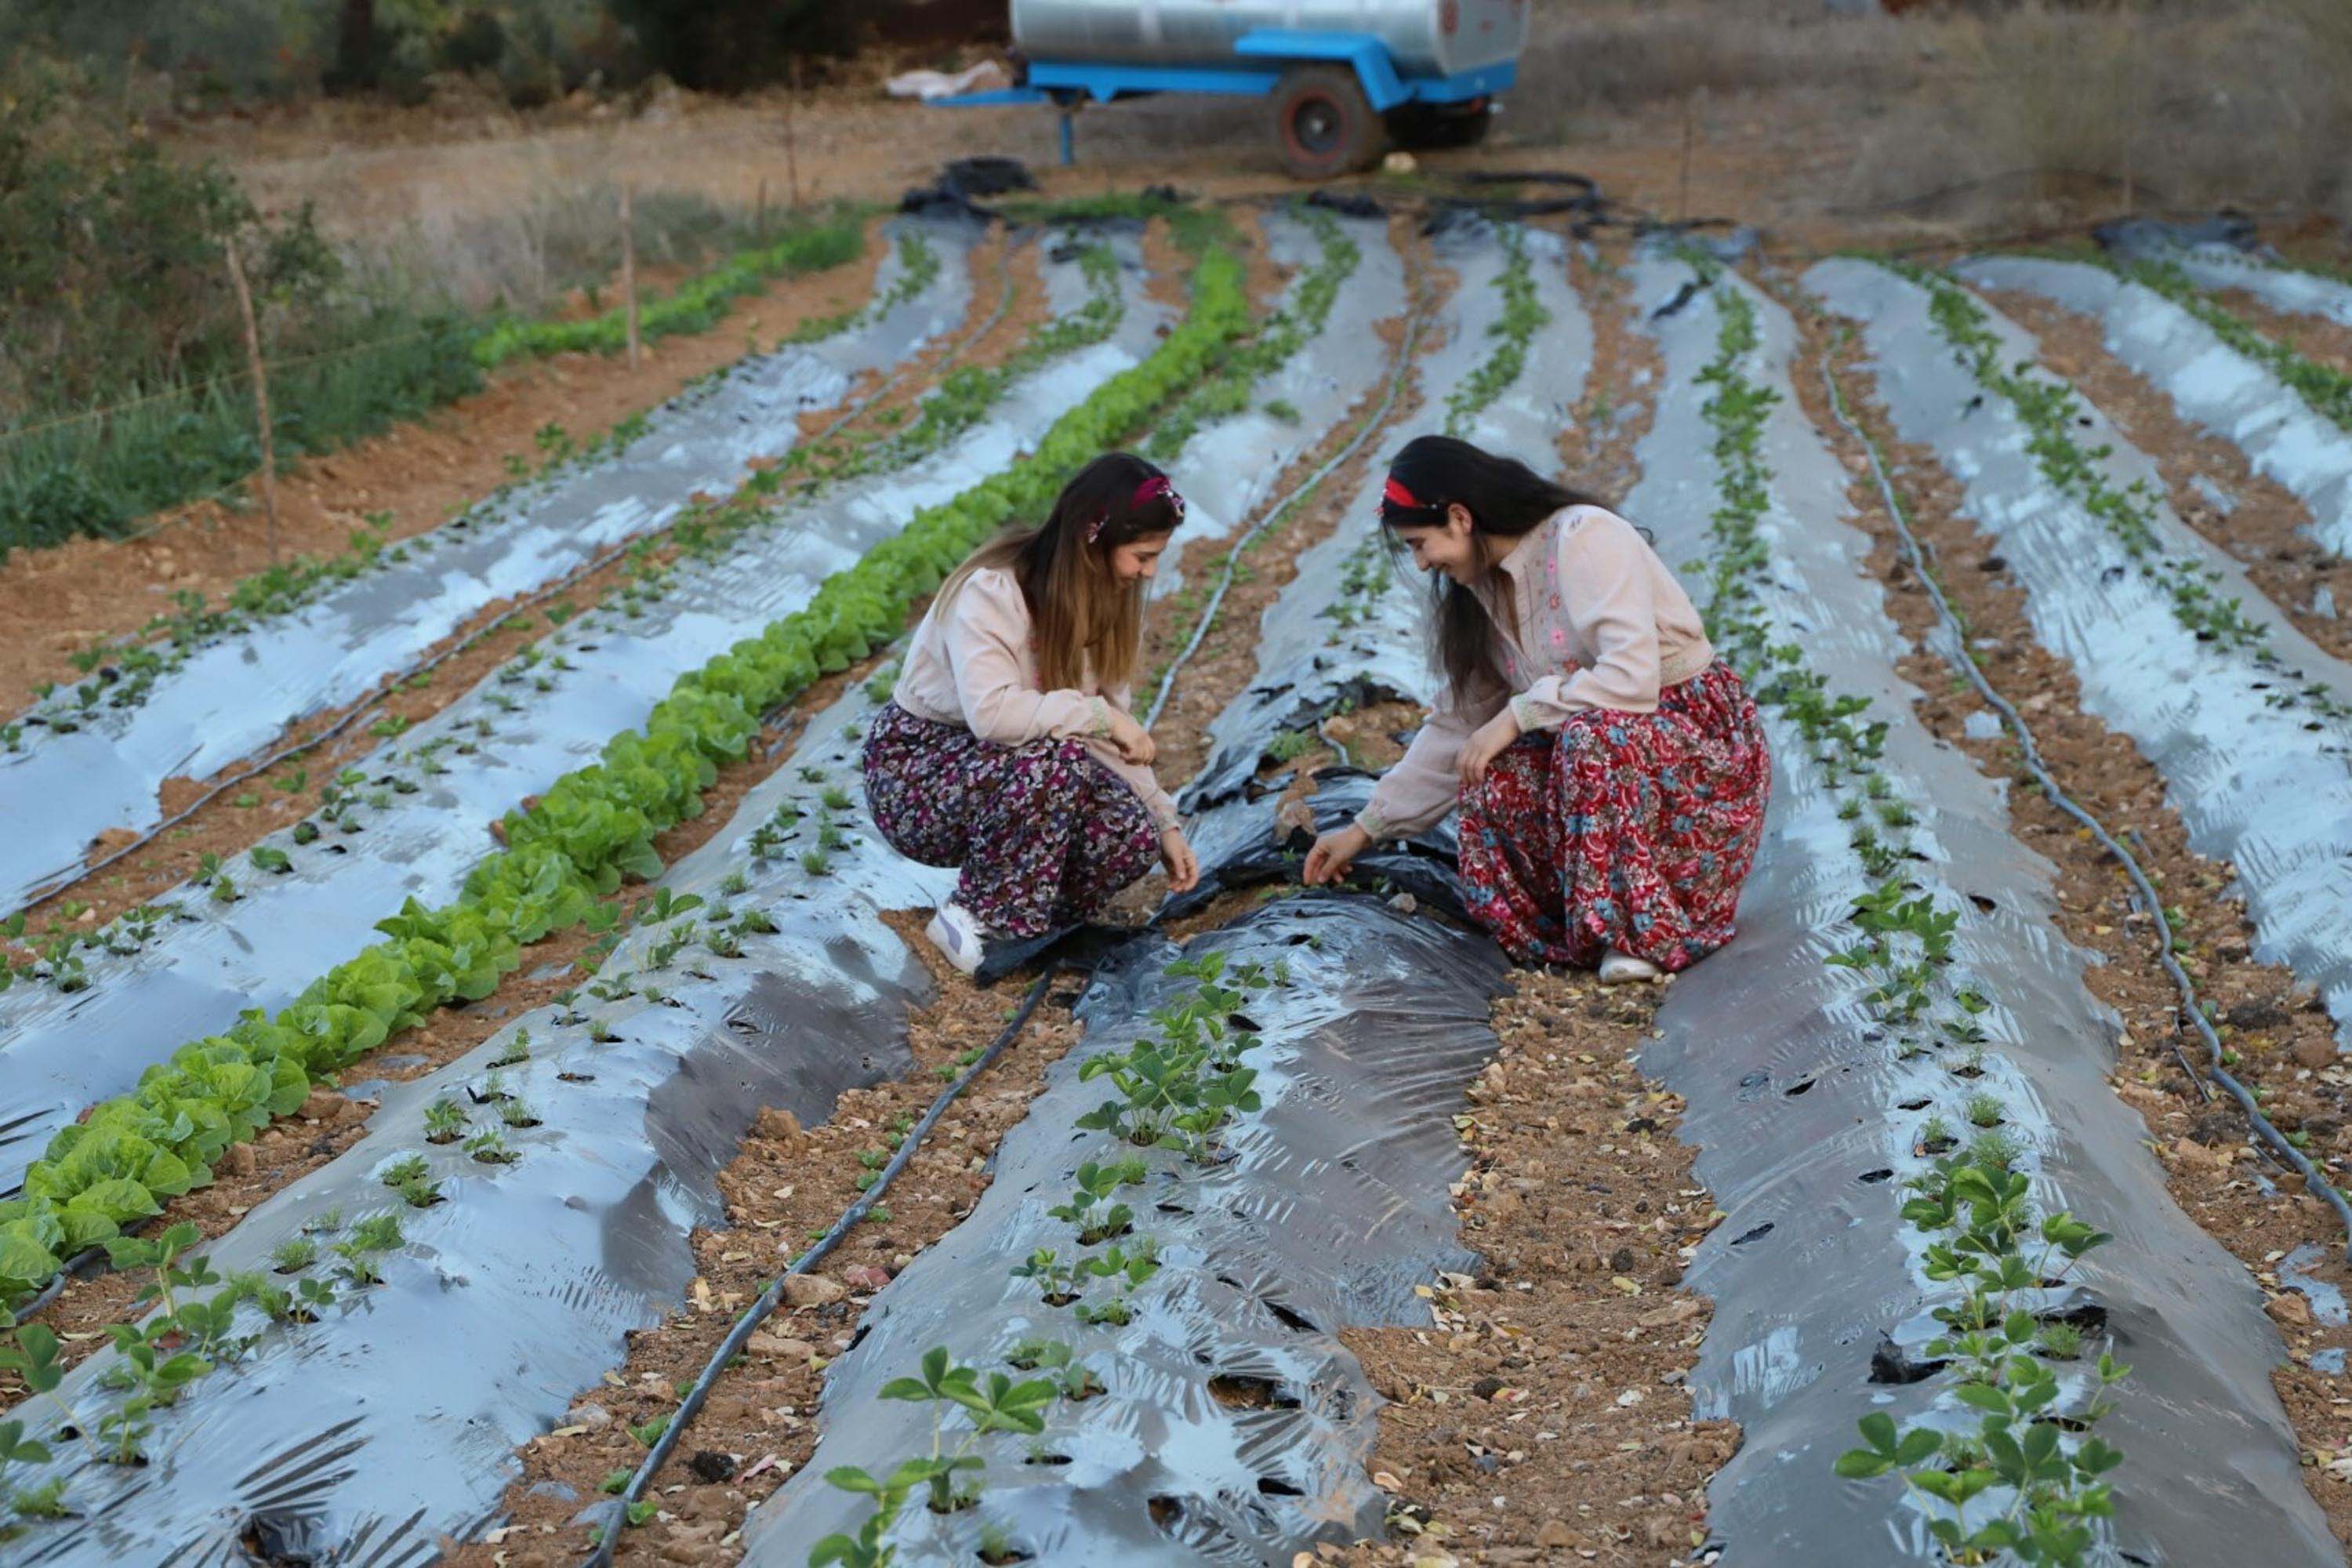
point(1594, 620)
point(976, 667)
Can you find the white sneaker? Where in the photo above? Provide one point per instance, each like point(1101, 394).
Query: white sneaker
point(958, 935)
point(1623, 968)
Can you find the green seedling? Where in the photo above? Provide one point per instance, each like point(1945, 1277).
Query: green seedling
point(444, 1121)
point(490, 1147)
point(293, 1255)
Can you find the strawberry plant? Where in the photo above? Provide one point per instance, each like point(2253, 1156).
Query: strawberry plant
point(1973, 1205)
point(587, 832)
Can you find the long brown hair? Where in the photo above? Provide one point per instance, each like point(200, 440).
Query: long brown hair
point(1506, 500)
point(1087, 623)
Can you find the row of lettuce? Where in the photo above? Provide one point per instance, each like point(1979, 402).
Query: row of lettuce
point(2023, 1482)
point(591, 830)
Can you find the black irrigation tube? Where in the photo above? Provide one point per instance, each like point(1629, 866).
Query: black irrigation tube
point(772, 1296)
point(2315, 1179)
point(565, 584)
point(769, 1299)
point(1375, 421)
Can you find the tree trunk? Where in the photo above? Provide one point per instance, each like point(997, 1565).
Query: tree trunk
point(355, 48)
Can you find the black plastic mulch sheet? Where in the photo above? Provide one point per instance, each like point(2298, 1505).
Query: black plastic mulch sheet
point(1234, 1429)
point(515, 733)
point(1806, 1119)
point(394, 1420)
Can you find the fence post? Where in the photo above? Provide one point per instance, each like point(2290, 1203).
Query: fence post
point(792, 148)
point(629, 271)
point(260, 392)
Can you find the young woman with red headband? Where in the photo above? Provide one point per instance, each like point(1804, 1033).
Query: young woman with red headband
point(1007, 749)
point(1610, 772)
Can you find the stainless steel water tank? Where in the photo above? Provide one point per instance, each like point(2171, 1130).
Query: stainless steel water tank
point(1423, 36)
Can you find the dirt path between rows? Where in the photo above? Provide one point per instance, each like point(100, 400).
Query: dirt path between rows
point(411, 479)
point(2284, 1041)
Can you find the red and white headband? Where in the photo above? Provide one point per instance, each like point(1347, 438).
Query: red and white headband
point(1152, 489)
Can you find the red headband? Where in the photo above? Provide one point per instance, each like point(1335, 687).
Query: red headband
point(1152, 489)
point(1396, 495)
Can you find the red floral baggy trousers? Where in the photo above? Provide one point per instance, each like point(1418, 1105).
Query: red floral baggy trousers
point(1631, 831)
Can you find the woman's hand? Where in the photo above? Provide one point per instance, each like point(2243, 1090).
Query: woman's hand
point(1184, 866)
point(1131, 740)
point(1333, 854)
point(1490, 740)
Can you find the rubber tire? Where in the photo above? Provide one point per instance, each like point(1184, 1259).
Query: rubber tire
point(1421, 128)
point(1344, 137)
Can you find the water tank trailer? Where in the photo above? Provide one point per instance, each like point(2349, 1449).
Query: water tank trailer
point(1342, 79)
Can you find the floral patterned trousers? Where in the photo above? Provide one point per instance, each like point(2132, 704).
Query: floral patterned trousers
point(1631, 831)
point(1044, 833)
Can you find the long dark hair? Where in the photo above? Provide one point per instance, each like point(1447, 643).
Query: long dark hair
point(1506, 500)
point(1087, 622)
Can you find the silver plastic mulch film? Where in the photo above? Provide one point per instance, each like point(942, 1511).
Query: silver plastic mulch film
point(235, 696)
point(2265, 786)
point(60, 1053)
point(393, 1419)
point(2209, 384)
point(1805, 1119)
point(1315, 390)
point(385, 1426)
point(1233, 1427)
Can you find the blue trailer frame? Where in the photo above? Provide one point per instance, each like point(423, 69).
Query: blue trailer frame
point(1068, 83)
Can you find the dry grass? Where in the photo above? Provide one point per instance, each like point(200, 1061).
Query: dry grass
point(2189, 104)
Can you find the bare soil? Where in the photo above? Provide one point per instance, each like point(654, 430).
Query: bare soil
point(1545, 1416)
point(2266, 529)
point(2315, 337)
point(57, 601)
point(236, 819)
point(2283, 1039)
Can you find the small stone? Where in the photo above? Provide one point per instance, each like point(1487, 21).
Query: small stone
point(595, 1417)
point(2315, 1052)
point(1487, 1387)
point(238, 1160)
point(710, 1467)
point(865, 1277)
point(1400, 163)
point(2289, 1309)
point(323, 1104)
point(779, 1127)
point(1556, 1534)
point(1404, 904)
point(779, 1347)
point(812, 1291)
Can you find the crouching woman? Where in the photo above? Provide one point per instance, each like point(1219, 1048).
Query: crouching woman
point(1007, 749)
point(1610, 770)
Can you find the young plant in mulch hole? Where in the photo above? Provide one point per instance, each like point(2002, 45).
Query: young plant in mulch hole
point(516, 1051)
point(412, 1180)
point(293, 1255)
point(1126, 1267)
point(490, 1147)
point(1057, 1279)
point(995, 1404)
point(444, 1121)
point(1093, 1207)
point(1977, 1209)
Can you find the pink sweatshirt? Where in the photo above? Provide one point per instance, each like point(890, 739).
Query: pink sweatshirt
point(976, 666)
point(1596, 620)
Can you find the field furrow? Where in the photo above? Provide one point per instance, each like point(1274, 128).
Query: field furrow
point(2243, 715)
point(414, 819)
point(93, 759)
point(2210, 384)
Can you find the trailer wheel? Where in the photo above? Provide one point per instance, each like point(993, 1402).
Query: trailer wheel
point(1323, 124)
point(1423, 125)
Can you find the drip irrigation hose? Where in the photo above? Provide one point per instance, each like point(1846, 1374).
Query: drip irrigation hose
point(2315, 1179)
point(81, 1265)
point(566, 584)
point(1373, 422)
point(772, 1296)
